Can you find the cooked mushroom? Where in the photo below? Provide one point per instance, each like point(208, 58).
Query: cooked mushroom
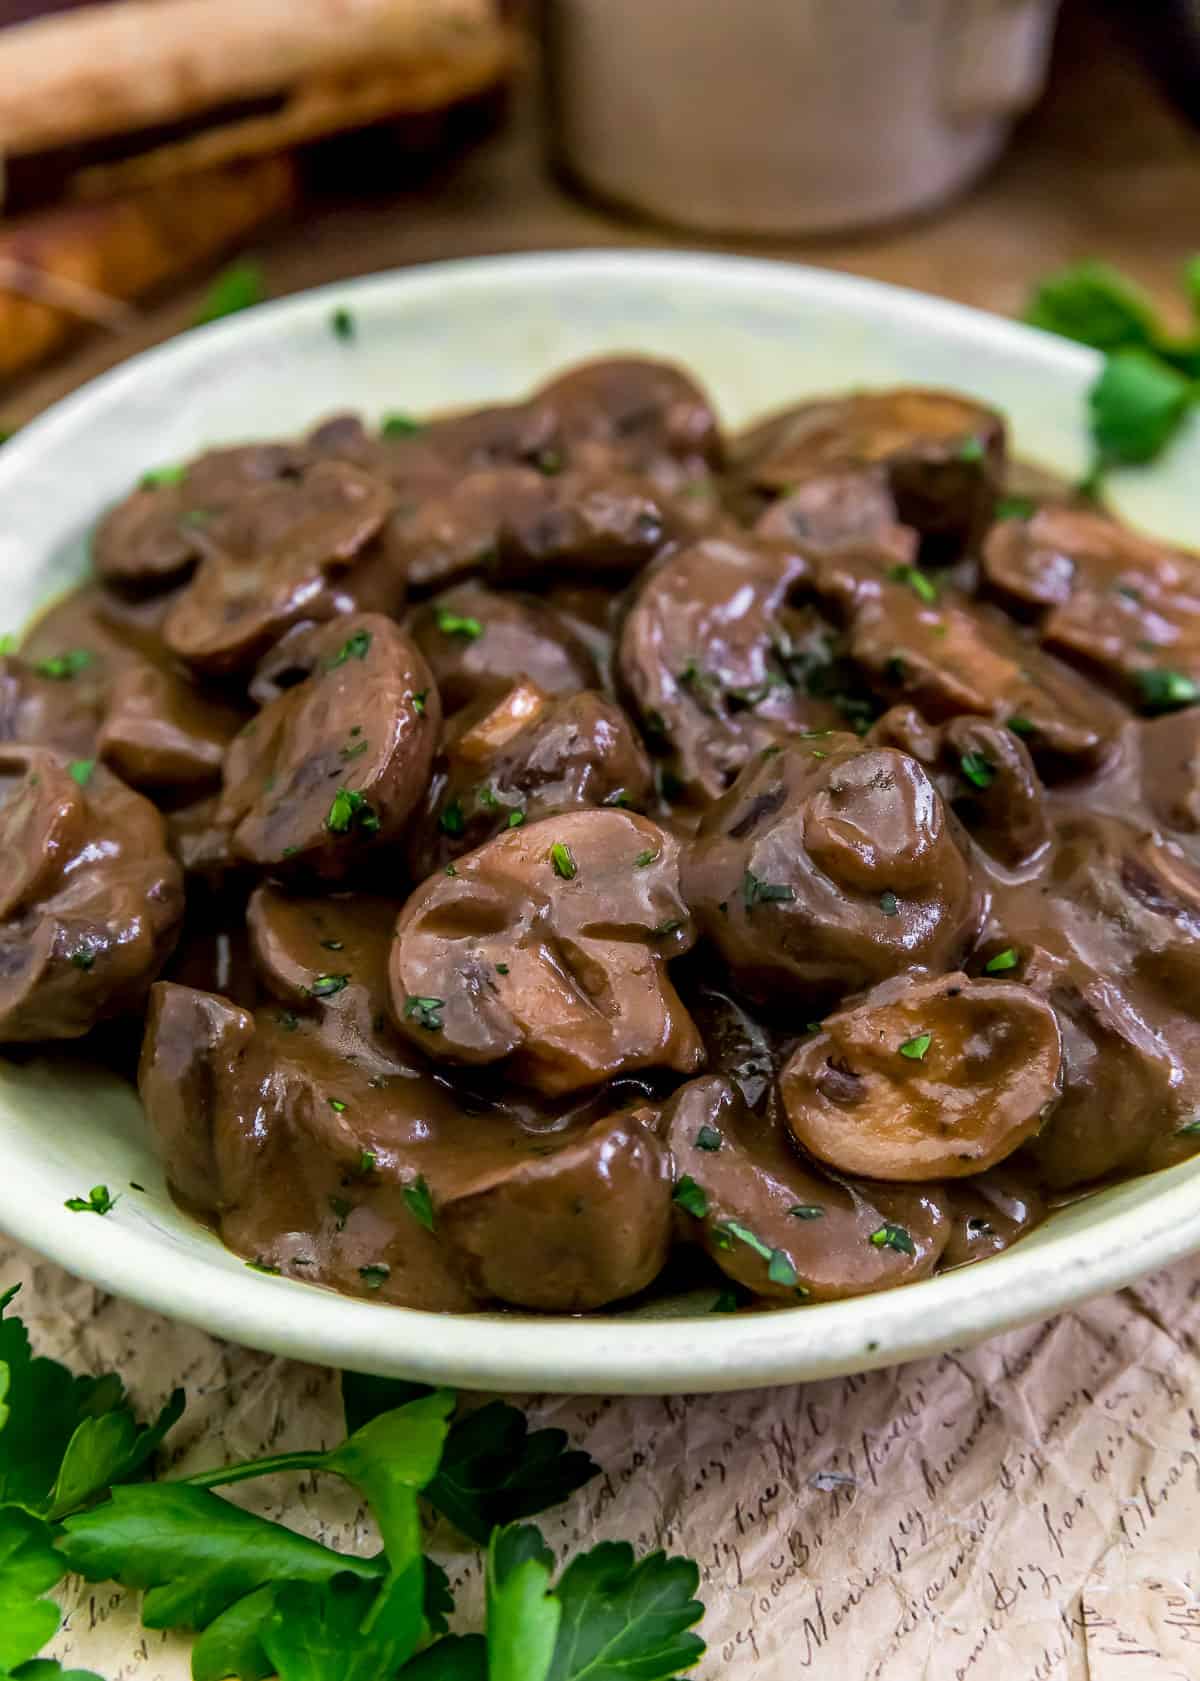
point(1170, 767)
point(479, 641)
point(840, 510)
point(159, 730)
point(91, 901)
point(778, 1227)
point(294, 550)
point(828, 866)
point(547, 950)
point(521, 758)
point(990, 1212)
point(336, 764)
point(712, 665)
point(940, 456)
point(928, 1079)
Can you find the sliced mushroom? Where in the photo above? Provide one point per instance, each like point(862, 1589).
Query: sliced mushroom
point(91, 901)
point(1170, 765)
point(584, 1221)
point(990, 1212)
point(159, 730)
point(479, 641)
point(777, 1226)
point(635, 415)
point(840, 510)
point(828, 866)
point(930, 1079)
point(946, 656)
point(547, 951)
point(1119, 604)
point(714, 668)
point(298, 549)
point(940, 456)
point(521, 758)
point(336, 764)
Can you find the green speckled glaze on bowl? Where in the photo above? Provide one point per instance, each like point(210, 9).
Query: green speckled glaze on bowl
point(757, 334)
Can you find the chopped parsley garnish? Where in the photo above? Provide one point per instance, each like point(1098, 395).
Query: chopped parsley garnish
point(757, 892)
point(375, 1275)
point(418, 701)
point(351, 810)
point(1003, 960)
point(341, 1208)
point(734, 1228)
point(156, 477)
point(708, 1138)
point(366, 1164)
point(781, 1271)
point(336, 1104)
point(288, 1021)
point(1014, 507)
point(418, 1201)
point(259, 1265)
point(671, 926)
point(807, 1211)
point(1189, 1127)
point(355, 647)
point(1163, 691)
point(692, 1198)
point(549, 462)
point(450, 870)
point(726, 1302)
point(83, 957)
point(502, 968)
point(401, 426)
point(893, 1237)
point(922, 587)
point(457, 624)
point(342, 324)
point(670, 785)
point(97, 1201)
point(515, 819)
point(80, 770)
point(238, 287)
point(914, 1049)
point(977, 769)
point(644, 858)
point(1022, 726)
point(563, 860)
point(971, 449)
point(62, 667)
point(889, 904)
point(486, 796)
point(425, 1012)
point(325, 986)
point(451, 820)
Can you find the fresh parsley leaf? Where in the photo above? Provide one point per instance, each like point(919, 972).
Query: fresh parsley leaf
point(49, 1669)
point(1136, 406)
point(460, 1657)
point(893, 1237)
point(691, 1197)
point(523, 1616)
point(342, 325)
point(238, 287)
point(977, 769)
point(451, 820)
point(644, 859)
point(316, 1634)
point(914, 1049)
point(327, 986)
point(922, 587)
point(515, 819)
point(623, 1618)
point(756, 892)
point(401, 426)
point(563, 860)
point(156, 477)
point(231, 1643)
point(355, 647)
point(419, 1202)
point(108, 1449)
point(780, 1269)
point(351, 810)
point(62, 667)
point(1164, 691)
point(1094, 305)
point(735, 1228)
point(80, 771)
point(97, 1200)
point(418, 702)
point(193, 1552)
point(1022, 726)
point(425, 1012)
point(29, 1567)
point(457, 624)
point(1003, 960)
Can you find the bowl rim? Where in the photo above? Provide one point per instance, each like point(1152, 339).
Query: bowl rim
point(208, 1287)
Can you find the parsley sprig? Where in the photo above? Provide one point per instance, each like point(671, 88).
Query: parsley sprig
point(262, 1600)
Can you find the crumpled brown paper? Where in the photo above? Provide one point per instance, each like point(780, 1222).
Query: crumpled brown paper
point(1019, 1512)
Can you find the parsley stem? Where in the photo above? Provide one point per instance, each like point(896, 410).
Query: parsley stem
point(222, 1475)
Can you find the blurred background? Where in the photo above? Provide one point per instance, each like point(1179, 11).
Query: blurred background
point(965, 147)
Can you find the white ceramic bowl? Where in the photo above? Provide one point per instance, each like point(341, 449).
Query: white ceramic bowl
point(758, 334)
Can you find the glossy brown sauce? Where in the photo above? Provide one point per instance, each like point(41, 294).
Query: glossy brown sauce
point(552, 841)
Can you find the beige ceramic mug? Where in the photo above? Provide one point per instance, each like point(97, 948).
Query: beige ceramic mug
point(788, 116)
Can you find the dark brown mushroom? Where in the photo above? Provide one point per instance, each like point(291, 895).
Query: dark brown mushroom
point(840, 510)
point(91, 901)
point(1170, 766)
point(294, 550)
point(828, 866)
point(777, 1226)
point(336, 764)
point(522, 757)
point(478, 641)
point(929, 1079)
point(990, 1212)
point(159, 730)
point(635, 415)
point(547, 951)
point(716, 664)
point(940, 456)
